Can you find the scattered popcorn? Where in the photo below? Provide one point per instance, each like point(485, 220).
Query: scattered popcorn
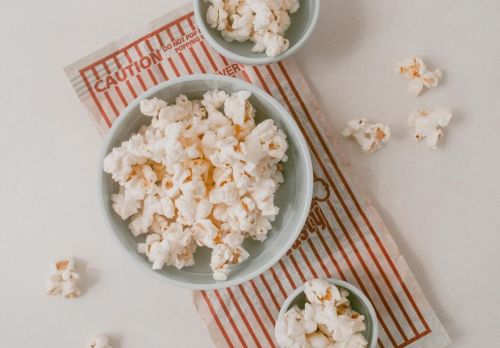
point(368, 135)
point(63, 279)
point(264, 22)
point(429, 125)
point(327, 320)
point(415, 70)
point(201, 174)
point(100, 341)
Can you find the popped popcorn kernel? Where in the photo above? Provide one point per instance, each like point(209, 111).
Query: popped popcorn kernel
point(429, 125)
point(369, 136)
point(100, 341)
point(63, 279)
point(414, 69)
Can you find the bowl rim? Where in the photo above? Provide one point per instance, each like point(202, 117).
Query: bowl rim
point(349, 287)
point(257, 60)
point(301, 144)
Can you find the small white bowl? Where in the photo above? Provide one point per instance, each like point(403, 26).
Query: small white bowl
point(293, 197)
point(359, 303)
point(301, 27)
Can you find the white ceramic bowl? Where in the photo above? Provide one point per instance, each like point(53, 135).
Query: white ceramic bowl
point(301, 27)
point(293, 197)
point(359, 302)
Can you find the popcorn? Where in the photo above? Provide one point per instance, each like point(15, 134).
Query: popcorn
point(289, 329)
point(264, 22)
point(63, 279)
point(321, 292)
point(326, 320)
point(201, 174)
point(100, 341)
point(415, 70)
point(368, 135)
point(429, 125)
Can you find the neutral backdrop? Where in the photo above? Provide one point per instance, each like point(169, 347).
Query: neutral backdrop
point(442, 207)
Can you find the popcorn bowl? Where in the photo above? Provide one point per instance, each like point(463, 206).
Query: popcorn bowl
point(301, 27)
point(359, 303)
point(293, 197)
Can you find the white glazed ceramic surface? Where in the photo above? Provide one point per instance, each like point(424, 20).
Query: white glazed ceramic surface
point(293, 197)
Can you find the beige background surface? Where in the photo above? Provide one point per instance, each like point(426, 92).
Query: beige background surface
point(442, 207)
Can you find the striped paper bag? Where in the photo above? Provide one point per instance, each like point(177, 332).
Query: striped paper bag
point(344, 236)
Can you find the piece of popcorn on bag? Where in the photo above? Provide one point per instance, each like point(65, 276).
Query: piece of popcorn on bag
point(414, 69)
point(63, 279)
point(370, 136)
point(100, 341)
point(429, 125)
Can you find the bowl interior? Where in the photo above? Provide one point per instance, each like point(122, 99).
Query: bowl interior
point(300, 23)
point(293, 196)
point(359, 303)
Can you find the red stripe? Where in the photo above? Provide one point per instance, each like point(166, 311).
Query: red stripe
point(158, 65)
point(110, 101)
point(120, 94)
point(275, 277)
point(216, 317)
point(285, 270)
point(353, 197)
point(129, 85)
point(94, 98)
point(271, 293)
point(262, 302)
point(301, 275)
point(174, 67)
point(339, 246)
point(150, 73)
point(308, 263)
point(230, 318)
point(256, 315)
point(198, 62)
point(316, 254)
point(203, 46)
point(139, 78)
point(243, 317)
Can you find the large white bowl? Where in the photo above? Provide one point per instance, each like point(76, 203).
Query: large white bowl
point(293, 197)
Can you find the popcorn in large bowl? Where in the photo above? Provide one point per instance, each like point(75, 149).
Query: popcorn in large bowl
point(206, 176)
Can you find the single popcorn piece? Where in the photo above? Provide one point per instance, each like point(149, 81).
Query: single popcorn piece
point(370, 136)
point(63, 279)
point(415, 70)
point(264, 22)
point(319, 291)
point(202, 173)
point(326, 321)
point(100, 341)
point(429, 125)
point(289, 330)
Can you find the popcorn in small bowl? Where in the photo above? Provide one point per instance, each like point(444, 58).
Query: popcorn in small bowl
point(326, 313)
point(256, 31)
